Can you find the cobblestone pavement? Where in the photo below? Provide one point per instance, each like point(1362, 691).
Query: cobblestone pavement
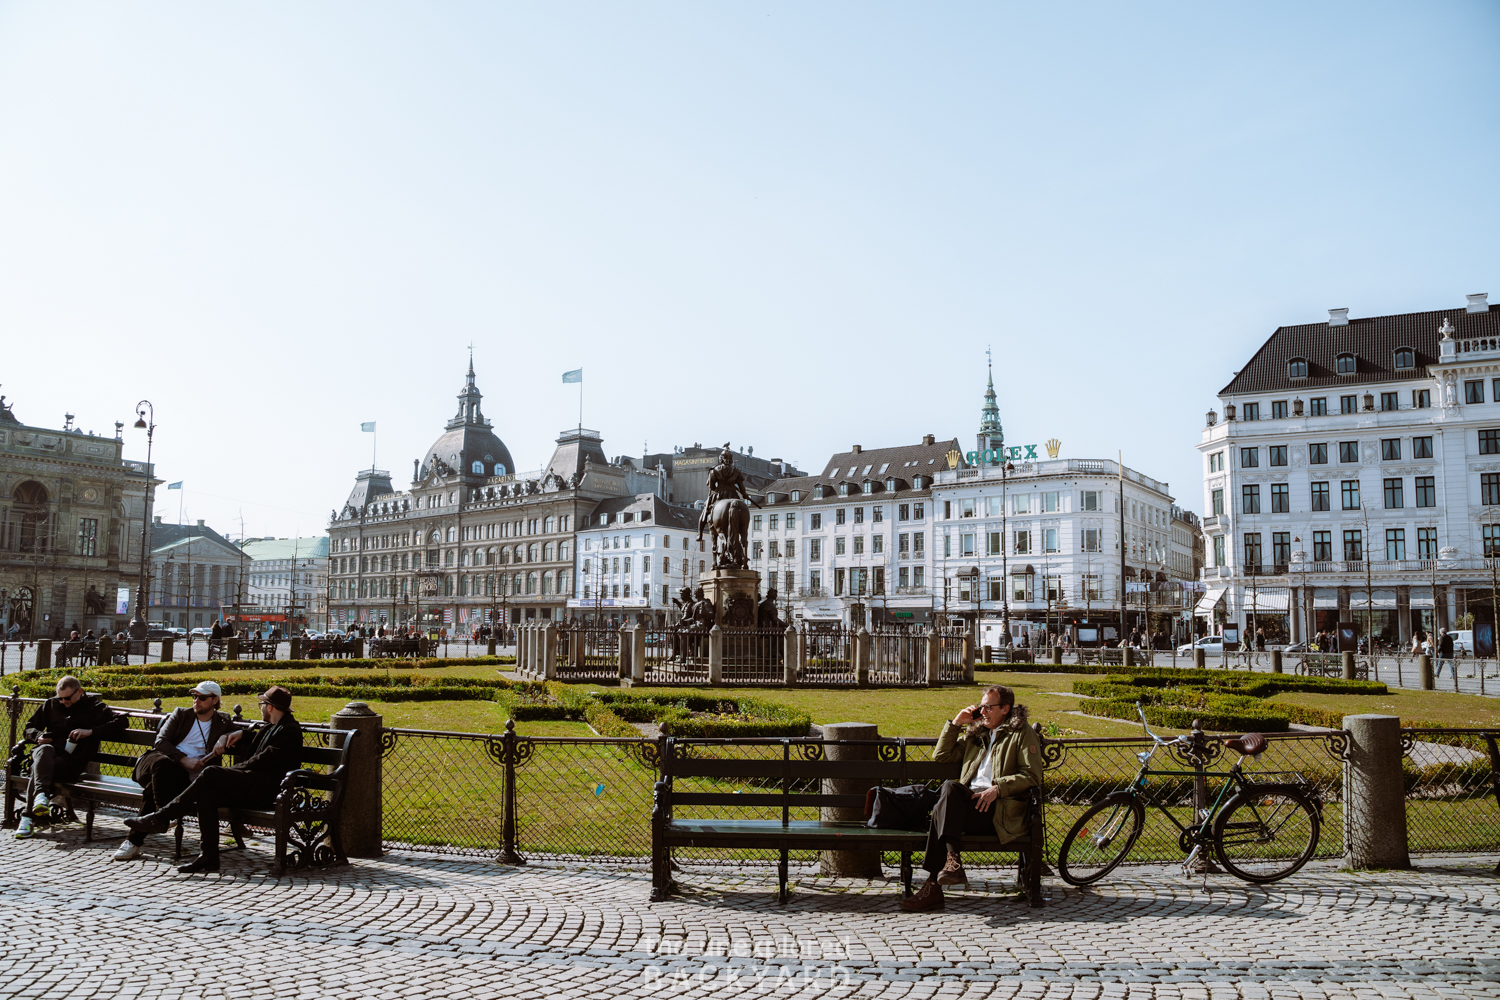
point(419, 926)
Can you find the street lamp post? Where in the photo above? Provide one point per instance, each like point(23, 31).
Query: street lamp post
point(1005, 470)
point(145, 418)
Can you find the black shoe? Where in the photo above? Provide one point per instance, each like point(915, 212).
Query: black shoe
point(153, 822)
point(202, 863)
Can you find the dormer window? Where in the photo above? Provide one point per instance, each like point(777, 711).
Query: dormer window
point(796, 496)
point(867, 487)
point(843, 489)
point(1405, 358)
point(1296, 368)
point(890, 485)
point(770, 498)
point(1346, 364)
point(478, 468)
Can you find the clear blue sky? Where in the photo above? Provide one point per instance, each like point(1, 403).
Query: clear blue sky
point(794, 226)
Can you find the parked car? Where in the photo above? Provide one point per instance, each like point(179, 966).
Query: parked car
point(202, 633)
point(1463, 642)
point(1296, 647)
point(1208, 643)
point(161, 633)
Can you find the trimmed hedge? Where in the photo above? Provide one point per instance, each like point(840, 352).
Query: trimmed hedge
point(210, 667)
point(1191, 675)
point(1216, 713)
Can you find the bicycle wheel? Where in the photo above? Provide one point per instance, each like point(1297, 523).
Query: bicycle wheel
point(1266, 832)
point(1100, 839)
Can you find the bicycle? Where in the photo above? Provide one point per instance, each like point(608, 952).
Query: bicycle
point(1263, 832)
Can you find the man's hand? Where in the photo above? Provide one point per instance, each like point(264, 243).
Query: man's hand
point(191, 764)
point(79, 735)
point(966, 716)
point(985, 799)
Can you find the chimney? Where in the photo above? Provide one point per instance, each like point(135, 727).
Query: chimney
point(1338, 317)
point(928, 439)
point(856, 449)
point(200, 522)
point(1479, 302)
point(158, 519)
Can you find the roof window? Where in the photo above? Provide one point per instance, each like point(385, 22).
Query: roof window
point(1346, 364)
point(1406, 358)
point(1296, 368)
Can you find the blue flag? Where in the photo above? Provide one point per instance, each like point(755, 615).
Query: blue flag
point(175, 486)
point(368, 428)
point(576, 375)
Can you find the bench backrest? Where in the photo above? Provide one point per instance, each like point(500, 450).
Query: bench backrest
point(791, 768)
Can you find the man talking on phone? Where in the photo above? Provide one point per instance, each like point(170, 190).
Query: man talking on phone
point(1002, 758)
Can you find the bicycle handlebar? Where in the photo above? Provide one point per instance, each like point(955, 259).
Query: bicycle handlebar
point(1146, 726)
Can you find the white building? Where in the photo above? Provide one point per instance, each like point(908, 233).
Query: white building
point(635, 554)
point(853, 544)
point(282, 573)
point(1356, 474)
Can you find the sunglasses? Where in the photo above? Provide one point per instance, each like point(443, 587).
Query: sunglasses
point(201, 697)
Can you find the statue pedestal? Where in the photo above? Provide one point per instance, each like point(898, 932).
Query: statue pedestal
point(99, 623)
point(734, 593)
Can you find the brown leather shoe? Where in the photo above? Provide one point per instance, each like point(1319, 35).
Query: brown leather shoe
point(929, 897)
point(953, 872)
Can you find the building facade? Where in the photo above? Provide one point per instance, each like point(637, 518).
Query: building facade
point(1355, 477)
point(470, 539)
point(195, 573)
point(635, 554)
point(71, 512)
point(853, 544)
point(684, 472)
point(289, 575)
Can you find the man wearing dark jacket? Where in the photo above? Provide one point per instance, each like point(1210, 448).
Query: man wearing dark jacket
point(181, 752)
point(269, 753)
point(67, 730)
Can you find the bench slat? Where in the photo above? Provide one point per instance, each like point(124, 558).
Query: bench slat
point(722, 767)
point(766, 799)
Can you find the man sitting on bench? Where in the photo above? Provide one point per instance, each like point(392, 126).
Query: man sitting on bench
point(180, 754)
point(1002, 757)
point(275, 748)
point(67, 730)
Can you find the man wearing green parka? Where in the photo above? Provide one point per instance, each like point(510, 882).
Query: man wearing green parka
point(1002, 758)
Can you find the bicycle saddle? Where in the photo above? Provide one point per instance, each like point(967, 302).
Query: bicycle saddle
point(1250, 744)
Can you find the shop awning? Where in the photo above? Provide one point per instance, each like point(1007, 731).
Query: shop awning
point(1266, 602)
point(1209, 601)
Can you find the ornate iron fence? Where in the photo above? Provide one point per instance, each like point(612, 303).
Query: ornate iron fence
point(1452, 779)
point(898, 658)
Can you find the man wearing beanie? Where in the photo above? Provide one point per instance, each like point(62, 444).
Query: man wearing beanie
point(268, 753)
point(181, 752)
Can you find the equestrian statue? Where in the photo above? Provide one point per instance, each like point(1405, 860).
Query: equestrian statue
point(726, 513)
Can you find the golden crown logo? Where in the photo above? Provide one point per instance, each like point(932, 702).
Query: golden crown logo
point(954, 458)
point(1053, 447)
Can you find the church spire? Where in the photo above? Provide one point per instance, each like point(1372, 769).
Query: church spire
point(991, 435)
point(468, 401)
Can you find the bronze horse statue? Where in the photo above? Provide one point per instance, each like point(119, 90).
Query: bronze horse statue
point(729, 527)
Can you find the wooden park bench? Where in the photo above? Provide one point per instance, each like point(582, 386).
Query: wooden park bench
point(306, 826)
point(792, 780)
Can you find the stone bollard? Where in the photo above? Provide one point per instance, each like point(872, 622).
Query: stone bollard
point(862, 657)
point(1424, 667)
point(1276, 662)
point(934, 657)
point(1057, 656)
point(43, 654)
point(549, 651)
point(855, 864)
point(1348, 656)
point(232, 648)
point(106, 650)
point(789, 662)
point(638, 654)
point(489, 646)
point(296, 650)
point(358, 652)
point(624, 653)
point(989, 653)
point(362, 823)
point(1127, 657)
point(968, 658)
point(715, 656)
point(1374, 794)
point(166, 651)
point(1200, 658)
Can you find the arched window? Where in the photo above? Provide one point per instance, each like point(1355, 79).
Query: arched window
point(31, 504)
point(452, 534)
point(1346, 364)
point(1296, 368)
point(547, 526)
point(478, 468)
point(546, 583)
point(515, 584)
point(435, 538)
point(532, 554)
point(489, 557)
point(562, 550)
point(547, 552)
point(531, 583)
point(499, 468)
point(1406, 357)
point(447, 586)
point(448, 558)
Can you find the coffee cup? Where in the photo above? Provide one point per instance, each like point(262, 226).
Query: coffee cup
point(68, 747)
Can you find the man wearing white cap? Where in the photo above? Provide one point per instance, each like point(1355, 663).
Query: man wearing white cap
point(184, 746)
